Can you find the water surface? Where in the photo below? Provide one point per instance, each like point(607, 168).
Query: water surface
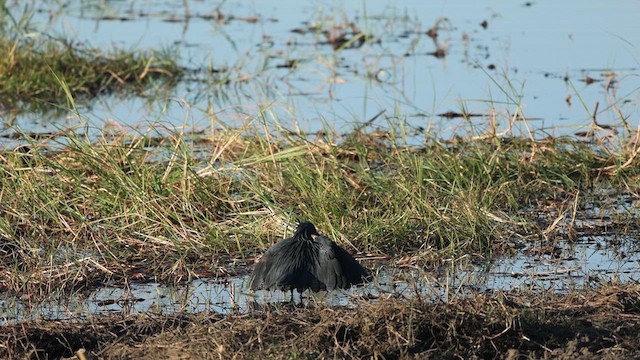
point(502, 58)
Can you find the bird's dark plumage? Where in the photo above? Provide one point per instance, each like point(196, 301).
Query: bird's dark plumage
point(302, 262)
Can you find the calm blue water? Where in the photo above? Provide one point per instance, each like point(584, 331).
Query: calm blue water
point(516, 64)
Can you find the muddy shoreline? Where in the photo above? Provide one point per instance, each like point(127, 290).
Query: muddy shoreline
point(602, 323)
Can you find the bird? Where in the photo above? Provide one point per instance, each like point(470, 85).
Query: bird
point(303, 262)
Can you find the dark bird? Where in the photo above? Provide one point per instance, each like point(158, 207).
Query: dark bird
point(302, 262)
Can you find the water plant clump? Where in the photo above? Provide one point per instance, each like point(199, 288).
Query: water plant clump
point(38, 72)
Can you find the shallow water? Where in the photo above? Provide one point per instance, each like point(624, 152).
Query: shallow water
point(497, 56)
point(589, 262)
point(533, 47)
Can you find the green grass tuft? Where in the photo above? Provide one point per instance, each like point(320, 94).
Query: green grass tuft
point(32, 70)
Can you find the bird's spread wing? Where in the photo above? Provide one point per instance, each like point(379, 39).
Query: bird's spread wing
point(336, 268)
point(263, 276)
point(354, 272)
point(319, 264)
point(328, 269)
point(285, 266)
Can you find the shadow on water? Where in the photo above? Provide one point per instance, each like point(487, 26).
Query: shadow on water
point(588, 262)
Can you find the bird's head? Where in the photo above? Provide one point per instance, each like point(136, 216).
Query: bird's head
point(305, 230)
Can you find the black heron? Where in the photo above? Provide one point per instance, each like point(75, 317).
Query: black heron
point(303, 262)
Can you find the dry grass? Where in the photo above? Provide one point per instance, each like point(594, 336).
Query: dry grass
point(596, 324)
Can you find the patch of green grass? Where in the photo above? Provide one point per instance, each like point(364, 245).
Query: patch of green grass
point(121, 205)
point(31, 70)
